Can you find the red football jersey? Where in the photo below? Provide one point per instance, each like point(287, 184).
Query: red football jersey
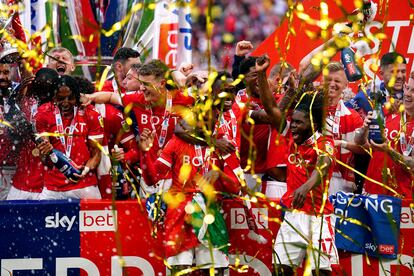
point(302, 161)
point(116, 128)
point(341, 124)
point(153, 117)
point(383, 169)
point(261, 133)
point(278, 150)
point(187, 162)
point(29, 169)
point(87, 126)
point(179, 154)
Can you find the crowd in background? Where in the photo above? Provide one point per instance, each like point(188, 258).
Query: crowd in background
point(233, 21)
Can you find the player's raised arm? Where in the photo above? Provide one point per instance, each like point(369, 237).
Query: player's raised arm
point(266, 96)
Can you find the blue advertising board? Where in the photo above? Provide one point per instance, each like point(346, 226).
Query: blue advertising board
point(36, 232)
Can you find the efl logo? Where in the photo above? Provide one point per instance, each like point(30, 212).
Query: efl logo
point(91, 221)
point(238, 218)
point(386, 249)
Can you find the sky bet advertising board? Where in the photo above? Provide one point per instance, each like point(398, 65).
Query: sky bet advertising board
point(74, 237)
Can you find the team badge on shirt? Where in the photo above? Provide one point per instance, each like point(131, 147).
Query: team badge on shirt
point(125, 125)
point(329, 149)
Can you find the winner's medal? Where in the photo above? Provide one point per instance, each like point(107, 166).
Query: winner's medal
point(36, 152)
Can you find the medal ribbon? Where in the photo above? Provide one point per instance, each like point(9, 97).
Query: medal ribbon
point(336, 121)
point(233, 122)
point(165, 120)
point(203, 161)
point(406, 148)
point(59, 125)
point(114, 85)
point(225, 127)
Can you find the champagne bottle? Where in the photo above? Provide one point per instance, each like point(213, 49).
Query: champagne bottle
point(352, 71)
point(63, 163)
point(369, 10)
point(119, 181)
point(376, 127)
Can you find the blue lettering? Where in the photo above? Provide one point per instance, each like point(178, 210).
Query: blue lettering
point(187, 38)
point(185, 30)
point(188, 18)
point(32, 17)
point(187, 43)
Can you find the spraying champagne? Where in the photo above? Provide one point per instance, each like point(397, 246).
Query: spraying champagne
point(22, 127)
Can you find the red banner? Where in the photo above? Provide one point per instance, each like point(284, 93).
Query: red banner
point(392, 16)
point(143, 254)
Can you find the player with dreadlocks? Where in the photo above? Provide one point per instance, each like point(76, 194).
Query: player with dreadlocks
point(307, 221)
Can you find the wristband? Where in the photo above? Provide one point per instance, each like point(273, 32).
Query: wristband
point(344, 144)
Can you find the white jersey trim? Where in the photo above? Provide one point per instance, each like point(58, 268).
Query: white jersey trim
point(165, 162)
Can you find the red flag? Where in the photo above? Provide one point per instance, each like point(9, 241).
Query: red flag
point(18, 27)
point(16, 23)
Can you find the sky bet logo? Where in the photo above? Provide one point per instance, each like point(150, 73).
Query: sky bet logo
point(101, 220)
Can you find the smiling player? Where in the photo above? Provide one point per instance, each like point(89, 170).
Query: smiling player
point(307, 221)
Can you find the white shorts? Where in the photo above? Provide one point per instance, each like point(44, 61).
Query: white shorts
point(164, 184)
point(274, 189)
point(251, 181)
point(6, 176)
point(16, 194)
point(202, 257)
point(291, 247)
point(338, 184)
point(90, 192)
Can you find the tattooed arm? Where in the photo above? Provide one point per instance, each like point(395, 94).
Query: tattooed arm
point(406, 162)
